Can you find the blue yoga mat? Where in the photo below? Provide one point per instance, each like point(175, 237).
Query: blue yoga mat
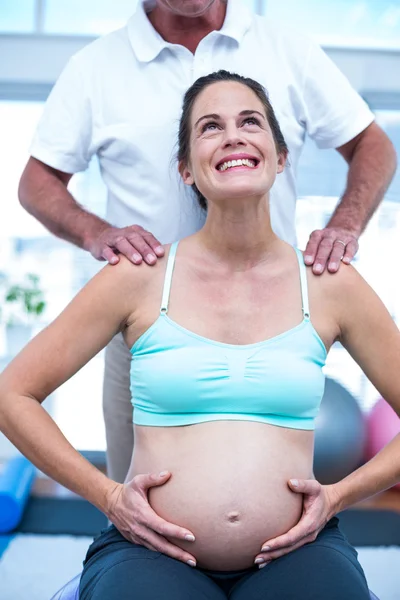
point(15, 484)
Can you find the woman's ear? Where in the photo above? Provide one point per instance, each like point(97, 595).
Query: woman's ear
point(185, 173)
point(281, 162)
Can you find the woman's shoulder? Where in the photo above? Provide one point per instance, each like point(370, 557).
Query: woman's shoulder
point(343, 290)
point(136, 276)
point(346, 278)
point(128, 281)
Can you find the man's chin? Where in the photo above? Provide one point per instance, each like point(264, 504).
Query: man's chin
point(189, 12)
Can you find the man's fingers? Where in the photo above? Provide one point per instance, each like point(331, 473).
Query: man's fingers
point(350, 252)
point(125, 247)
point(138, 241)
point(338, 250)
point(153, 243)
point(327, 247)
point(342, 252)
point(322, 256)
point(109, 255)
point(312, 247)
point(134, 242)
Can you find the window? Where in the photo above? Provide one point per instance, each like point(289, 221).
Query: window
point(389, 120)
point(17, 123)
point(323, 172)
point(320, 172)
point(343, 22)
point(91, 17)
point(17, 17)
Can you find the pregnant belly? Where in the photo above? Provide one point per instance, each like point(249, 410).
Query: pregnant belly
point(228, 486)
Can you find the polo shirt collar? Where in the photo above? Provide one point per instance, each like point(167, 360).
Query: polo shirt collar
point(147, 43)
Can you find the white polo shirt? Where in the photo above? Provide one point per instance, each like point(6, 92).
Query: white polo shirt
point(120, 97)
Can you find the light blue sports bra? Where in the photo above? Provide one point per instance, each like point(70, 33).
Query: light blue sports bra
point(181, 378)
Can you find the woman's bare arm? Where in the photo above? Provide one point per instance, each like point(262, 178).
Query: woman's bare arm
point(86, 325)
point(368, 332)
point(372, 338)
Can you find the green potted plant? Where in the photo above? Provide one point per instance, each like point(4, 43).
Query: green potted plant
point(24, 303)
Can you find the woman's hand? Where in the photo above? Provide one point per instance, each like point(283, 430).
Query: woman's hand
point(134, 518)
point(320, 503)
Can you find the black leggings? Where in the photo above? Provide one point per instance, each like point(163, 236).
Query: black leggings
point(328, 569)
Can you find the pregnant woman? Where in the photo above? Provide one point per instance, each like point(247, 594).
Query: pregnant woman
point(228, 335)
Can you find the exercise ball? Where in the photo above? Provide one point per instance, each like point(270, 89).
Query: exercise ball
point(340, 435)
point(383, 424)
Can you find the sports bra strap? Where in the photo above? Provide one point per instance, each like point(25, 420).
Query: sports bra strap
point(168, 278)
point(303, 283)
point(170, 268)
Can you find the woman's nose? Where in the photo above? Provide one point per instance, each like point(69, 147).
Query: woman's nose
point(233, 138)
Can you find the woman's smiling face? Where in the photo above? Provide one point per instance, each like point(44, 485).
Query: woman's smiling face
point(232, 150)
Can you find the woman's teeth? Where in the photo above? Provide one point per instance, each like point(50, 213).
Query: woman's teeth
point(247, 162)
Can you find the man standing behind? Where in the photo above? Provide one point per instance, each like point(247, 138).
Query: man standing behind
point(120, 98)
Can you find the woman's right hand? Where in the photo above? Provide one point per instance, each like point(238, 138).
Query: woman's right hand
point(134, 518)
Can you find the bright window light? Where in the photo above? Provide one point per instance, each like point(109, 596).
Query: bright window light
point(91, 17)
point(365, 23)
point(17, 17)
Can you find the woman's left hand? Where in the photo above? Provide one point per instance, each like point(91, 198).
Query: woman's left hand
point(320, 503)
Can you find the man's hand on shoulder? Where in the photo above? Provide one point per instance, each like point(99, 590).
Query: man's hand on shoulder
point(134, 242)
point(327, 247)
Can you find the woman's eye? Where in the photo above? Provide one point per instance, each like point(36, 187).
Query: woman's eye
point(210, 126)
point(251, 121)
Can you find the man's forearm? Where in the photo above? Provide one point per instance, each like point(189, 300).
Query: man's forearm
point(371, 168)
point(45, 196)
